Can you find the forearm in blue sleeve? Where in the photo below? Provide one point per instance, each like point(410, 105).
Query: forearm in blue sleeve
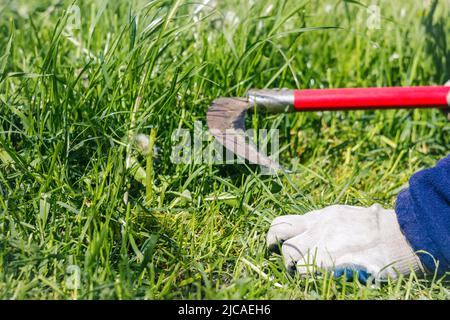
point(423, 212)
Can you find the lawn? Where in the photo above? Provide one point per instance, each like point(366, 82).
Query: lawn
point(78, 79)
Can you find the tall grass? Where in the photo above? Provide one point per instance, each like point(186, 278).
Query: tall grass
point(71, 99)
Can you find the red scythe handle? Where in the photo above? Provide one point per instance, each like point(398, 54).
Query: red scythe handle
point(371, 98)
point(351, 98)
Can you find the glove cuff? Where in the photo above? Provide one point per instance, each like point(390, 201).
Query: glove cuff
point(405, 260)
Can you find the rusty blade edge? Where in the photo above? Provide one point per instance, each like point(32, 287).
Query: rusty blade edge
point(226, 122)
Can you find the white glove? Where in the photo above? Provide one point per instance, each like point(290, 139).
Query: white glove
point(344, 239)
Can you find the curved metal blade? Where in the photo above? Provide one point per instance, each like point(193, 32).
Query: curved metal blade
point(226, 122)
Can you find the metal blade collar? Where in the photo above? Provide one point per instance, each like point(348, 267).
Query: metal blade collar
point(272, 101)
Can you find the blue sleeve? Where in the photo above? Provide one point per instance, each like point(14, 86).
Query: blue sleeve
point(423, 212)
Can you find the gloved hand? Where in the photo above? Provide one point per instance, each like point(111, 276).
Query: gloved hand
point(344, 239)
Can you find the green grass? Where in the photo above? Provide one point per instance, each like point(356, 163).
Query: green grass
point(66, 110)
